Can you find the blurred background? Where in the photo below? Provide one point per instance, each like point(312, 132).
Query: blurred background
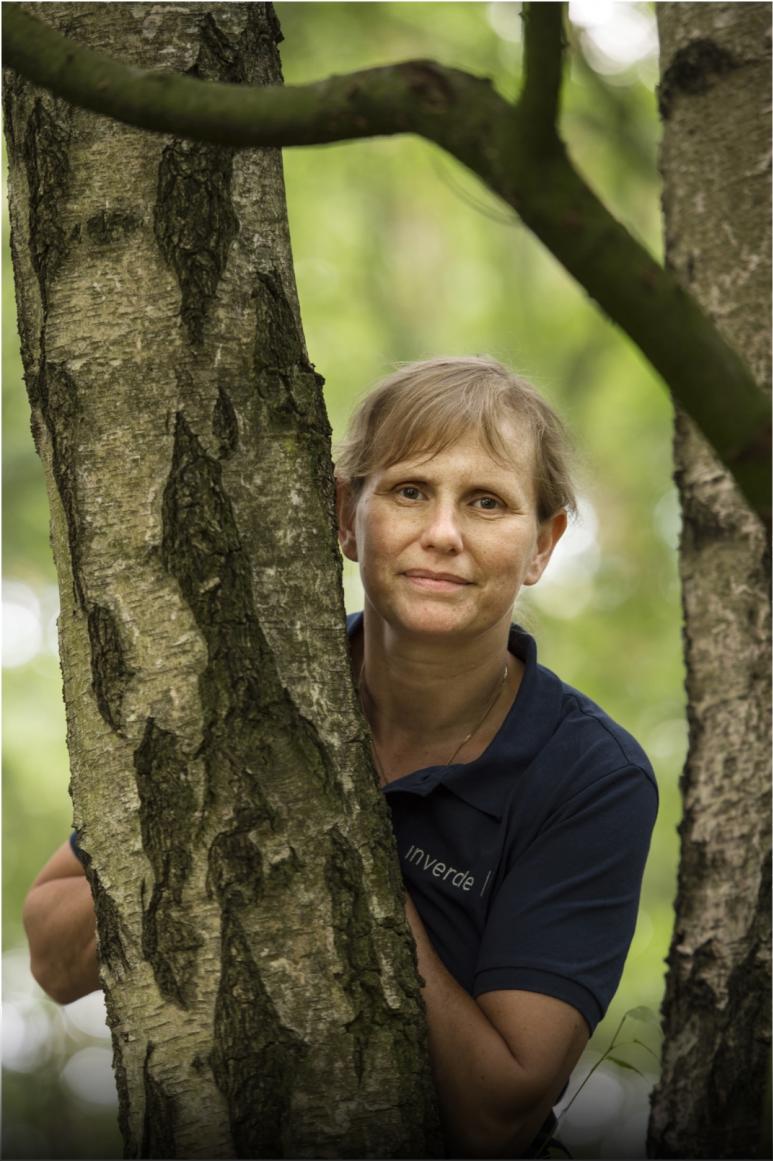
point(402, 254)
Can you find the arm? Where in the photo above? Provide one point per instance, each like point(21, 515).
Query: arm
point(499, 1062)
point(59, 920)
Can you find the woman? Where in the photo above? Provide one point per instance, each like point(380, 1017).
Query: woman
point(522, 812)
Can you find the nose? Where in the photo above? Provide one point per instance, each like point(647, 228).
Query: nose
point(441, 531)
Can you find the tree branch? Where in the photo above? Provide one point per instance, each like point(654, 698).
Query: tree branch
point(472, 122)
point(543, 47)
point(706, 376)
point(408, 97)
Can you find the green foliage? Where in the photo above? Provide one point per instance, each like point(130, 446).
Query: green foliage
point(401, 254)
point(641, 1014)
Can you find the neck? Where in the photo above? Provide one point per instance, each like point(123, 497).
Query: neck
point(423, 697)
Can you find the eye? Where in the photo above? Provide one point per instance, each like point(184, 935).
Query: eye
point(488, 503)
point(408, 492)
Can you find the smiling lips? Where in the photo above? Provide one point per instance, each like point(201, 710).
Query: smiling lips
point(439, 582)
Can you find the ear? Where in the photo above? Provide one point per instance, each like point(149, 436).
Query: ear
point(548, 536)
point(346, 507)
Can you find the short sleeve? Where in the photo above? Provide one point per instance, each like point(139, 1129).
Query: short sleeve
point(563, 917)
point(74, 846)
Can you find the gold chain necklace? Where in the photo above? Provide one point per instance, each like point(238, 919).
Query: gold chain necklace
point(380, 769)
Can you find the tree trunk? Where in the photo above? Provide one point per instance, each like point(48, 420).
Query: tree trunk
point(258, 971)
point(715, 104)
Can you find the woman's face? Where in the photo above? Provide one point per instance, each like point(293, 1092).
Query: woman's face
point(444, 544)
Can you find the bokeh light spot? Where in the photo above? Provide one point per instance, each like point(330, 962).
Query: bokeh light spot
point(27, 1038)
point(22, 624)
point(89, 1075)
point(88, 1016)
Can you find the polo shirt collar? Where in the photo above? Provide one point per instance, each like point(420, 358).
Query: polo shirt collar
point(487, 783)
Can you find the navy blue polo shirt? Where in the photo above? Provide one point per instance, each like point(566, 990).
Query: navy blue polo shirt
point(525, 865)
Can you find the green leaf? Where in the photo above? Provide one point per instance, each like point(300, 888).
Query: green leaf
point(645, 1015)
point(647, 1048)
point(624, 1064)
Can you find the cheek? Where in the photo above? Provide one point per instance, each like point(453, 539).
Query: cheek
point(371, 546)
point(383, 533)
point(510, 561)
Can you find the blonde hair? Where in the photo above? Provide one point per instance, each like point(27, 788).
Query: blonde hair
point(426, 406)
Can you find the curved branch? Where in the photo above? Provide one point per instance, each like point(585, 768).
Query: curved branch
point(543, 48)
point(472, 122)
point(408, 97)
point(706, 376)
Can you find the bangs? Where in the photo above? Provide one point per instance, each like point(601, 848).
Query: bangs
point(424, 423)
point(423, 408)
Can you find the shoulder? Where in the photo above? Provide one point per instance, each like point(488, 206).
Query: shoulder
point(353, 623)
point(576, 743)
point(601, 740)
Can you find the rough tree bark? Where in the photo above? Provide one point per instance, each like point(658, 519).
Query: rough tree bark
point(259, 975)
point(715, 104)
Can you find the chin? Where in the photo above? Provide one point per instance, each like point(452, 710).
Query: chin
point(431, 619)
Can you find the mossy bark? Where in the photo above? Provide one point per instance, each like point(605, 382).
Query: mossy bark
point(259, 975)
point(715, 104)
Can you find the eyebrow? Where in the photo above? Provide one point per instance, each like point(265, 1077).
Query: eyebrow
point(396, 472)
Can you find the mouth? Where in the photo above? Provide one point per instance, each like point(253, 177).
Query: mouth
point(422, 578)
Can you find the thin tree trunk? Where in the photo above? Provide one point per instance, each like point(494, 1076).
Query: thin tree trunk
point(715, 103)
point(258, 972)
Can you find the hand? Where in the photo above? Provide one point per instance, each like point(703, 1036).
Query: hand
point(61, 929)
